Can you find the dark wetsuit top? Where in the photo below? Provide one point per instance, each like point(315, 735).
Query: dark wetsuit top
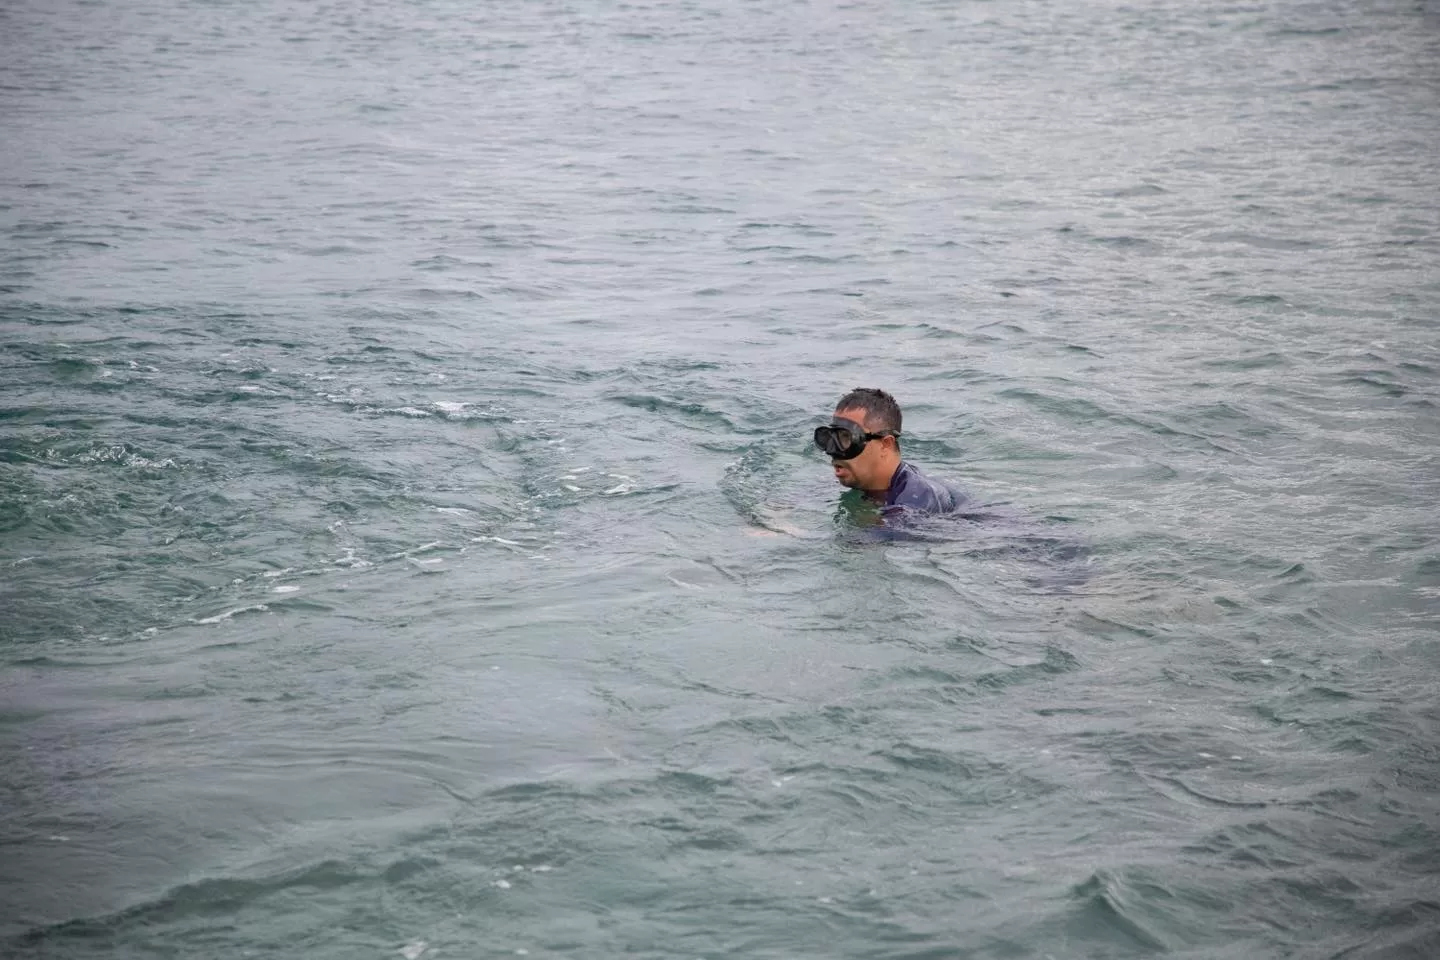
point(913, 496)
point(910, 490)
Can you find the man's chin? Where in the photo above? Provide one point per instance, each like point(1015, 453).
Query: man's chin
point(847, 481)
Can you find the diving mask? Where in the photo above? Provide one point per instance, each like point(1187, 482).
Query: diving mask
point(845, 439)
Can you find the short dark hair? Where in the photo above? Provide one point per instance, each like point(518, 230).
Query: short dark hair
point(877, 404)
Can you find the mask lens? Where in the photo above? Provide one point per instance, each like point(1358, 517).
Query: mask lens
point(839, 442)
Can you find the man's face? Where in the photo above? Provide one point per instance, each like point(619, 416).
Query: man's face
point(860, 472)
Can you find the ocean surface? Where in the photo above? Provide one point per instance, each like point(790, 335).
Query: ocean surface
point(411, 543)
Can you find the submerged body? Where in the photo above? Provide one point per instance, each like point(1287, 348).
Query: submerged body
point(915, 505)
point(920, 509)
point(910, 491)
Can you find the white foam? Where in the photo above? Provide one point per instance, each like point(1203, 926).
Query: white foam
point(413, 951)
point(500, 540)
point(618, 488)
point(414, 550)
point(286, 588)
point(219, 617)
point(450, 407)
point(135, 460)
point(572, 488)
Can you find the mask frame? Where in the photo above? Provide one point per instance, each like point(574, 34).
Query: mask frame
point(844, 439)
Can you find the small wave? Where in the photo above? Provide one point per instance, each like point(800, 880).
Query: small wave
point(1306, 31)
point(115, 453)
point(205, 897)
point(500, 540)
point(352, 561)
point(681, 411)
point(221, 617)
point(1118, 905)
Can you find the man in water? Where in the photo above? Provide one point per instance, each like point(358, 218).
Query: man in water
point(863, 443)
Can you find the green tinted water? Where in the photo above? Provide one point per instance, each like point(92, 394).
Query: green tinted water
point(411, 544)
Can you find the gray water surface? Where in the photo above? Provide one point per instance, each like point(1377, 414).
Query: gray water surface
point(409, 543)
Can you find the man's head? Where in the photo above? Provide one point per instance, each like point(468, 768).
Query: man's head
point(876, 413)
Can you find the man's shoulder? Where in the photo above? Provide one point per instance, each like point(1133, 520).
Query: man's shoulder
point(911, 489)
